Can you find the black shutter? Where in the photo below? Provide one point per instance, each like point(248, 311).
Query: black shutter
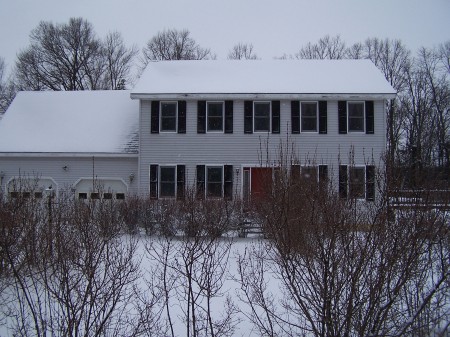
point(181, 172)
point(248, 117)
point(343, 177)
point(295, 116)
point(370, 183)
point(370, 126)
point(200, 181)
point(201, 117)
point(275, 116)
point(228, 182)
point(153, 181)
point(323, 174)
point(181, 116)
point(155, 117)
point(323, 117)
point(228, 116)
point(342, 112)
point(295, 174)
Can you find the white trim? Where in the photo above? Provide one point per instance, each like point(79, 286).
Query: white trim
point(364, 117)
point(159, 181)
point(160, 117)
point(270, 117)
point(317, 117)
point(68, 155)
point(100, 179)
point(223, 117)
point(264, 96)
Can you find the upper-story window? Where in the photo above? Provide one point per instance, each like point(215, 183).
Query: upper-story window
point(309, 116)
point(356, 116)
point(215, 116)
point(169, 116)
point(261, 116)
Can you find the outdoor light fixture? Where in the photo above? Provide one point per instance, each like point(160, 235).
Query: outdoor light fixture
point(2, 174)
point(131, 177)
point(65, 168)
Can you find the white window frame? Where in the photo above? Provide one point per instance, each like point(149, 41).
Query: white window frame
point(160, 181)
point(363, 118)
point(207, 167)
point(317, 117)
point(161, 116)
point(349, 182)
point(207, 117)
point(270, 116)
point(313, 167)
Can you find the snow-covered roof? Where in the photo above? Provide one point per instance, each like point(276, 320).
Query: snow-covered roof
point(324, 77)
point(71, 122)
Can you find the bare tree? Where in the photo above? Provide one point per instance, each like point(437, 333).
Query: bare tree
point(7, 88)
point(70, 272)
point(242, 51)
point(118, 60)
point(71, 57)
point(345, 267)
point(326, 48)
point(173, 45)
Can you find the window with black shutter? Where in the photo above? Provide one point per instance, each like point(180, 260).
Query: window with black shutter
point(201, 117)
point(323, 117)
point(323, 174)
point(295, 116)
point(342, 112)
point(181, 116)
point(228, 116)
point(248, 117)
point(370, 183)
point(155, 117)
point(181, 176)
point(200, 181)
point(228, 182)
point(343, 178)
point(370, 125)
point(153, 181)
point(275, 116)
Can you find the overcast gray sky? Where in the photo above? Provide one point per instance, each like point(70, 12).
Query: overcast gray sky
point(274, 27)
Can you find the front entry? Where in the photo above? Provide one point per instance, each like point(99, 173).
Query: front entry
point(257, 183)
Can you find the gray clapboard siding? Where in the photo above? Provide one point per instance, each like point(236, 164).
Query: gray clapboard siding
point(239, 149)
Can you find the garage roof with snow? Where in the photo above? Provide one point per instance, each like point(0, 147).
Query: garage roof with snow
point(317, 77)
point(71, 122)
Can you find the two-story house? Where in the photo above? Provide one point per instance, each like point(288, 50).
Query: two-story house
point(216, 126)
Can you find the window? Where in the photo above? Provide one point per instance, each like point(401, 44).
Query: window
point(355, 116)
point(309, 116)
point(95, 195)
point(107, 196)
point(167, 182)
point(357, 182)
point(309, 172)
point(215, 116)
point(214, 182)
point(261, 115)
point(169, 116)
point(82, 196)
point(120, 196)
